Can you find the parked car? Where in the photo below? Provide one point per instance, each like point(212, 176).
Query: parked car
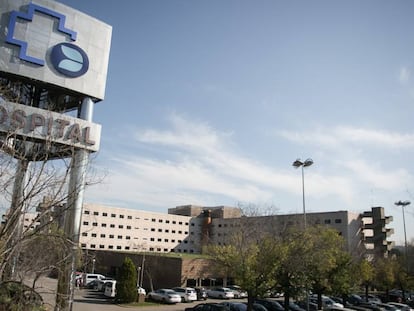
point(327, 302)
point(242, 306)
point(208, 307)
point(187, 294)
point(201, 293)
point(270, 305)
point(388, 307)
point(110, 289)
point(164, 295)
point(295, 307)
point(220, 292)
point(235, 306)
point(401, 306)
point(238, 292)
point(89, 277)
point(101, 283)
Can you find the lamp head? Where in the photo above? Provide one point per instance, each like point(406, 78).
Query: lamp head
point(308, 162)
point(298, 163)
point(402, 203)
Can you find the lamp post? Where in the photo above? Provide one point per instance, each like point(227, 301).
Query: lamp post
point(404, 204)
point(138, 276)
point(93, 265)
point(298, 163)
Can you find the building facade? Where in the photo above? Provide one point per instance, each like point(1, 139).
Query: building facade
point(189, 228)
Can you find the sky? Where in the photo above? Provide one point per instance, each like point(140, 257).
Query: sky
point(210, 102)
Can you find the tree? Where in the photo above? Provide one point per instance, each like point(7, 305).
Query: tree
point(293, 252)
point(366, 272)
point(250, 257)
point(386, 271)
point(327, 258)
point(126, 285)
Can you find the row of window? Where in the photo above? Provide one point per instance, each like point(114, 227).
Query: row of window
point(103, 225)
point(151, 249)
point(127, 237)
point(167, 221)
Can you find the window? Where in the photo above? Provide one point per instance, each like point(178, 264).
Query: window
point(83, 245)
point(152, 239)
point(127, 247)
point(128, 227)
point(111, 236)
point(112, 226)
point(165, 240)
point(105, 214)
point(101, 246)
point(327, 221)
point(113, 215)
point(103, 225)
point(96, 213)
point(153, 219)
point(119, 247)
point(159, 220)
point(110, 247)
point(128, 237)
point(174, 222)
point(180, 223)
point(338, 221)
point(121, 216)
point(93, 246)
point(86, 212)
point(152, 229)
point(119, 236)
point(85, 223)
point(129, 217)
point(167, 221)
point(103, 235)
point(159, 230)
point(84, 234)
point(93, 235)
point(95, 224)
point(172, 231)
point(121, 226)
point(159, 240)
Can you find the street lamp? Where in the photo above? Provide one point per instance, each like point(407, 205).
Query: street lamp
point(298, 163)
point(93, 265)
point(138, 276)
point(403, 204)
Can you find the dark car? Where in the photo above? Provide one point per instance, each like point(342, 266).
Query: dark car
point(201, 293)
point(270, 305)
point(241, 306)
point(208, 307)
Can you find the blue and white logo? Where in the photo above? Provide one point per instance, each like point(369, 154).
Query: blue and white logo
point(68, 59)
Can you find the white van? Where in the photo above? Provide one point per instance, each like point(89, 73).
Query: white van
point(110, 289)
point(91, 277)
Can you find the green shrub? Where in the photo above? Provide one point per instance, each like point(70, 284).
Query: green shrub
point(126, 285)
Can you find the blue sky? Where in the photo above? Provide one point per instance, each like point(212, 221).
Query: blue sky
point(210, 102)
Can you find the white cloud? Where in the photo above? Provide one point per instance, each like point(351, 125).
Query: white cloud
point(341, 135)
point(190, 162)
point(404, 75)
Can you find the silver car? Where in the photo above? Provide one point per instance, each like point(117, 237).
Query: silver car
point(164, 295)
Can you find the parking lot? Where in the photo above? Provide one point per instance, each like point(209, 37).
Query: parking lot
point(92, 300)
